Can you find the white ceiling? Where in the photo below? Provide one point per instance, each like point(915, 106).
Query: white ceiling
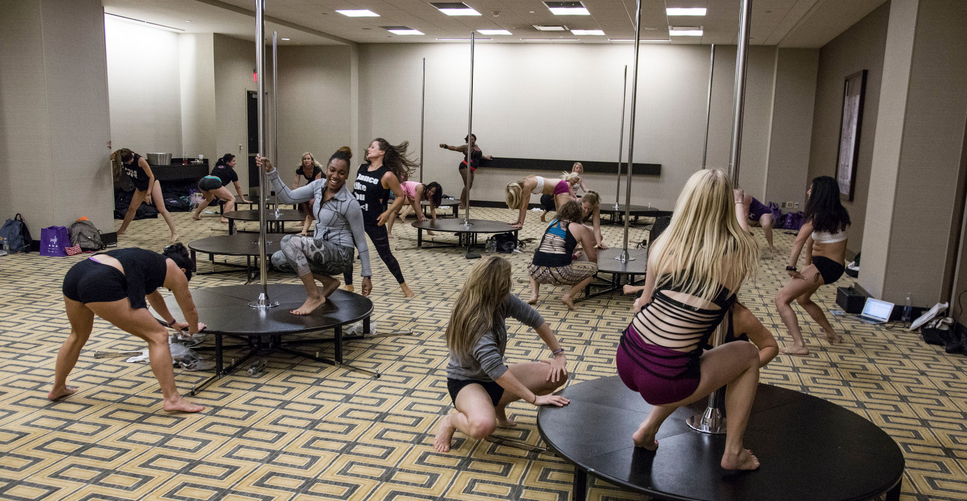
point(786, 23)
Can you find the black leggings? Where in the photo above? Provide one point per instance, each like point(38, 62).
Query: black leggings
point(380, 239)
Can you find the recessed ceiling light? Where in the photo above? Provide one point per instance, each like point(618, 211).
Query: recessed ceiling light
point(462, 39)
point(685, 31)
point(550, 39)
point(402, 30)
point(588, 32)
point(286, 39)
point(358, 13)
point(632, 40)
point(494, 32)
point(550, 27)
point(187, 20)
point(567, 8)
point(679, 11)
point(455, 8)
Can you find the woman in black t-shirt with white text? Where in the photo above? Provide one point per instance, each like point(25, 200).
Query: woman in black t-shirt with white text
point(311, 170)
point(215, 185)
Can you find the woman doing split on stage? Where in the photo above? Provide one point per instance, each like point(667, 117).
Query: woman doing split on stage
point(823, 234)
point(476, 154)
point(695, 270)
point(339, 226)
point(311, 170)
point(387, 168)
point(479, 382)
point(519, 193)
point(415, 194)
point(114, 285)
point(216, 185)
point(146, 189)
point(555, 260)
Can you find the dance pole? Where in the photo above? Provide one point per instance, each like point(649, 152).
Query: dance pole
point(713, 419)
point(471, 254)
point(275, 109)
point(621, 138)
point(625, 256)
point(263, 301)
point(708, 105)
point(423, 120)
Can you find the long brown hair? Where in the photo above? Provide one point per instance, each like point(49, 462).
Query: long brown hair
point(394, 158)
point(479, 306)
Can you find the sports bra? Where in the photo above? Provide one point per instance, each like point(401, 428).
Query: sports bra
point(825, 237)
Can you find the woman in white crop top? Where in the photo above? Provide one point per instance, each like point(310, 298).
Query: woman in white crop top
point(823, 234)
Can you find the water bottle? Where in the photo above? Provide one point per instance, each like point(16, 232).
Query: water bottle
point(907, 310)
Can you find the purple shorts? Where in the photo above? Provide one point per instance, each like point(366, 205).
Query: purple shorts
point(757, 210)
point(561, 187)
point(663, 384)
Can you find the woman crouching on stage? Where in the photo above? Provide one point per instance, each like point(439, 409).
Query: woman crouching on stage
point(114, 286)
point(339, 226)
point(695, 270)
point(479, 382)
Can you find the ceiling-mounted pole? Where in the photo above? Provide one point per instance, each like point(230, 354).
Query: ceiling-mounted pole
point(741, 68)
point(708, 105)
point(263, 301)
point(423, 119)
point(471, 254)
point(625, 256)
point(621, 138)
point(275, 109)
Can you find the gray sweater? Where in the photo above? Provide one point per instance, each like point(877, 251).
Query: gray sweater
point(487, 363)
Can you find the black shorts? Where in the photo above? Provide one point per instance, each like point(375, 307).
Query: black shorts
point(140, 184)
point(209, 183)
point(493, 389)
point(91, 282)
point(547, 202)
point(830, 270)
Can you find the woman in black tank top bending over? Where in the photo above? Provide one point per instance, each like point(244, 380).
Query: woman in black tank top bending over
point(695, 269)
point(387, 168)
point(146, 189)
point(114, 286)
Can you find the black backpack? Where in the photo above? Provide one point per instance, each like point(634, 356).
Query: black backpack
point(506, 242)
point(16, 234)
point(86, 235)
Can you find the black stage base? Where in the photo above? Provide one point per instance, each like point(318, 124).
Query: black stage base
point(235, 245)
point(810, 449)
point(635, 211)
point(226, 312)
point(635, 266)
point(466, 233)
point(274, 219)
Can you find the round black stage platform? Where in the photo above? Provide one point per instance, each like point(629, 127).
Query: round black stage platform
point(810, 449)
point(607, 263)
point(226, 312)
point(446, 202)
point(467, 234)
point(635, 211)
point(275, 222)
point(235, 245)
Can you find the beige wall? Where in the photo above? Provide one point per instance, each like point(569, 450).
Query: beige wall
point(143, 66)
point(197, 68)
point(858, 48)
point(792, 125)
point(234, 61)
point(54, 122)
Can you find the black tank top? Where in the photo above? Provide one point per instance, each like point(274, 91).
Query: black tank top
point(144, 272)
point(138, 176)
point(370, 193)
point(315, 172)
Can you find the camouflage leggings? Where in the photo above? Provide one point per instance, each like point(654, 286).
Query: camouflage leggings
point(306, 255)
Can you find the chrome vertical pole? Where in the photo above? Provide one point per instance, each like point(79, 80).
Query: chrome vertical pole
point(422, 118)
point(275, 110)
point(708, 105)
point(471, 254)
point(621, 139)
point(263, 300)
point(625, 256)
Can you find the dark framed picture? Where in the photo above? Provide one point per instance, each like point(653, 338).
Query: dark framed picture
point(849, 134)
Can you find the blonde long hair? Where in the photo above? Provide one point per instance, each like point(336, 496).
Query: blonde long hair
point(571, 177)
point(514, 192)
point(479, 306)
point(702, 235)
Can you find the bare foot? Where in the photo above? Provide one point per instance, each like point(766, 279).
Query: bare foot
point(532, 300)
point(544, 217)
point(832, 337)
point(349, 287)
point(431, 233)
point(390, 235)
point(224, 220)
point(304, 233)
point(794, 350)
point(744, 460)
point(444, 435)
point(173, 239)
point(645, 440)
point(505, 422)
point(568, 302)
point(182, 405)
point(407, 291)
point(59, 393)
point(312, 304)
point(196, 217)
point(121, 232)
point(329, 289)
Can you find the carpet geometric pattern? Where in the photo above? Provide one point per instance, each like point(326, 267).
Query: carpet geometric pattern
point(304, 430)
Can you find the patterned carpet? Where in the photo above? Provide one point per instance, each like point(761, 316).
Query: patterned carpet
point(304, 430)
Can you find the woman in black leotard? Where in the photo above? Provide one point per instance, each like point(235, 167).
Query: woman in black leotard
point(114, 286)
point(387, 168)
point(476, 154)
point(695, 269)
point(146, 188)
point(311, 170)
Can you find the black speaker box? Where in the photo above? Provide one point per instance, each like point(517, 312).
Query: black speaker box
point(850, 300)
